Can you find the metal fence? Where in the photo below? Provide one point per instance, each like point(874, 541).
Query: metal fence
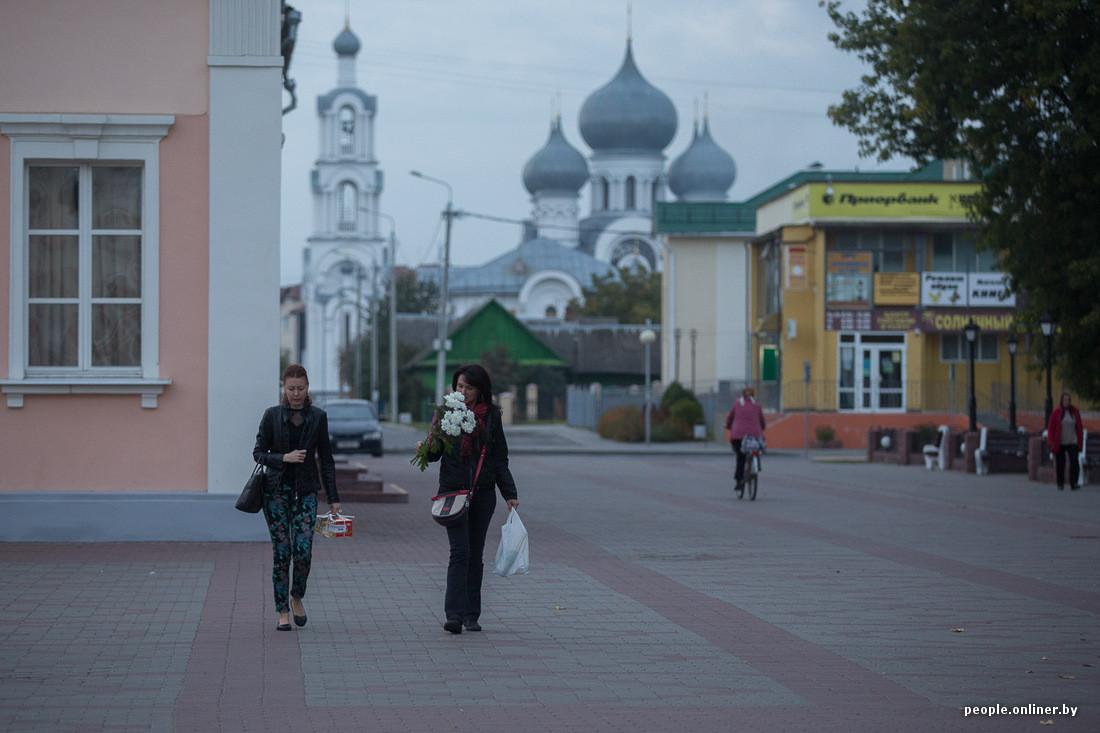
point(584, 406)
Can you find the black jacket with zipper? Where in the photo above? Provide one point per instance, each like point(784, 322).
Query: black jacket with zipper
point(455, 470)
point(272, 443)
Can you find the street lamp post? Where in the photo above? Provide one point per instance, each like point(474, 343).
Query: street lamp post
point(971, 330)
point(393, 311)
point(647, 337)
point(1046, 323)
point(441, 348)
point(1013, 344)
point(347, 267)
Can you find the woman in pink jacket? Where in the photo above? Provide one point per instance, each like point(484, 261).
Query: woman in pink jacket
point(1064, 438)
point(746, 417)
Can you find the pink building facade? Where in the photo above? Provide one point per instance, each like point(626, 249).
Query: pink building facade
point(139, 235)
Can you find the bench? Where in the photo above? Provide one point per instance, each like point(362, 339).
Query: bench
point(935, 454)
point(1001, 451)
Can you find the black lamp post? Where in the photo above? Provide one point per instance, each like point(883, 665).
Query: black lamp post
point(1046, 323)
point(1012, 343)
point(971, 330)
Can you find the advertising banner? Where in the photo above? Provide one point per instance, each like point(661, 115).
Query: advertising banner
point(962, 290)
point(943, 289)
point(897, 288)
point(848, 280)
point(934, 320)
point(890, 200)
point(990, 289)
point(797, 265)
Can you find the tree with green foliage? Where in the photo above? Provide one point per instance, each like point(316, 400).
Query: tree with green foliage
point(631, 295)
point(1010, 87)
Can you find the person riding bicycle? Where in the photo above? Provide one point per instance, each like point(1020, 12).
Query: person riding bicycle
point(745, 418)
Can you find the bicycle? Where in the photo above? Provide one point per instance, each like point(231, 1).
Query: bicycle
point(753, 448)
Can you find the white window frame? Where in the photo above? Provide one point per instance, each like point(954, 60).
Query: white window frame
point(85, 139)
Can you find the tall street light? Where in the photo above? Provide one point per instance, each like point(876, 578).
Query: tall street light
point(441, 347)
point(971, 330)
point(347, 267)
point(647, 337)
point(393, 311)
point(1046, 323)
point(1012, 343)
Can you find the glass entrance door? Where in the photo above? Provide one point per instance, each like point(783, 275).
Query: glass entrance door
point(871, 372)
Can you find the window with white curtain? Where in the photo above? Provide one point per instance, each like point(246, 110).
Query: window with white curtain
point(84, 294)
point(84, 266)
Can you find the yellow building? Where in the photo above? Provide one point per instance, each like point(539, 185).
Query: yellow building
point(862, 284)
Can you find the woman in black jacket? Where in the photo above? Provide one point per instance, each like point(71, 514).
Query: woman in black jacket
point(293, 441)
point(457, 470)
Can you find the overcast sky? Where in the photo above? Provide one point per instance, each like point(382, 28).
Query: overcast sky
point(466, 91)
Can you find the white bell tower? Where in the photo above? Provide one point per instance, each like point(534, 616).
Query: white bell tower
point(344, 263)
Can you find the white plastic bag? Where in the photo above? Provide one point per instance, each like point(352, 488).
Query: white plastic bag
point(512, 557)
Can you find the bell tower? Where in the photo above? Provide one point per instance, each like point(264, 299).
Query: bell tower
point(344, 265)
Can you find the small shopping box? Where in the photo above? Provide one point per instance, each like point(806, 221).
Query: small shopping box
point(334, 525)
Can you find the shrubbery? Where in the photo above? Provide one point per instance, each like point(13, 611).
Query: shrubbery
point(672, 421)
point(687, 410)
point(624, 424)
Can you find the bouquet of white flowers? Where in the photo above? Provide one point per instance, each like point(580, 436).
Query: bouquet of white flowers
point(450, 421)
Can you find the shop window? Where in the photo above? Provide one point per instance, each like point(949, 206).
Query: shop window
point(955, 348)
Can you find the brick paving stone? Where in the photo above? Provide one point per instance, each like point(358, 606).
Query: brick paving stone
point(657, 602)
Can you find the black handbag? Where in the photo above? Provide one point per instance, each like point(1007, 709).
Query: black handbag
point(251, 499)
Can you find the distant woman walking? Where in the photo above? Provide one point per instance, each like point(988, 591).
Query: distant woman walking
point(293, 440)
point(1065, 437)
point(745, 418)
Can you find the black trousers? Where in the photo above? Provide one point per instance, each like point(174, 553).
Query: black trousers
point(740, 472)
point(466, 568)
point(1064, 452)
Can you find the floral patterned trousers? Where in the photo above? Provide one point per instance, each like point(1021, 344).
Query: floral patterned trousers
point(290, 521)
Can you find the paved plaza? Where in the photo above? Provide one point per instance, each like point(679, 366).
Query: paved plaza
point(848, 596)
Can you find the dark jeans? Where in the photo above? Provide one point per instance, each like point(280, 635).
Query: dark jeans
point(466, 567)
point(740, 473)
point(290, 522)
point(1067, 451)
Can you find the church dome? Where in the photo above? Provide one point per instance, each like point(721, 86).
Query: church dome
point(628, 113)
point(558, 166)
point(347, 43)
point(703, 172)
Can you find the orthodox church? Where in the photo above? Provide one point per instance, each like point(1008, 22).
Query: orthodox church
point(627, 123)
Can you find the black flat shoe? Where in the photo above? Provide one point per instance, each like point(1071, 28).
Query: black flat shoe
point(472, 625)
point(283, 627)
point(454, 626)
point(300, 620)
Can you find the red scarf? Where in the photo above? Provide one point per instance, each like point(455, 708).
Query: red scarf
point(481, 411)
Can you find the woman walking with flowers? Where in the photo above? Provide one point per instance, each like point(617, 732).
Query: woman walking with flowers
point(467, 438)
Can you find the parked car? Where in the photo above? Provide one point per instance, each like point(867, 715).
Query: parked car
point(353, 427)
